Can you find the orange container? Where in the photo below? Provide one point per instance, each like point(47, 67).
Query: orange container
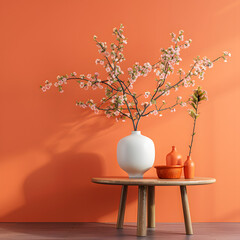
point(167, 172)
point(189, 168)
point(174, 158)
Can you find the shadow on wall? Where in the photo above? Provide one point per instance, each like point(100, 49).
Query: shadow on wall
point(78, 133)
point(61, 190)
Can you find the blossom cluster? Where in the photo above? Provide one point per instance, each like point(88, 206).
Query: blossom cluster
point(116, 49)
point(89, 104)
point(136, 71)
point(46, 86)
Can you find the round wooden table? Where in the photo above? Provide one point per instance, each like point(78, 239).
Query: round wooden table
point(146, 198)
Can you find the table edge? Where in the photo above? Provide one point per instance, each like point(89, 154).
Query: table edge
point(161, 182)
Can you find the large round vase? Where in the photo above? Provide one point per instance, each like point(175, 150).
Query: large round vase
point(135, 154)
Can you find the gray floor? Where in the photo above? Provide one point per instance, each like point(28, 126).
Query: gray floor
point(167, 231)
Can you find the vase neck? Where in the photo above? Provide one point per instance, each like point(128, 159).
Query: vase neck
point(136, 132)
point(173, 148)
point(189, 158)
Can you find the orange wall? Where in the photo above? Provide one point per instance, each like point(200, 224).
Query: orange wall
point(50, 149)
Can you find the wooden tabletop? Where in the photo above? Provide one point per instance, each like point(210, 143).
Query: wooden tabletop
point(154, 181)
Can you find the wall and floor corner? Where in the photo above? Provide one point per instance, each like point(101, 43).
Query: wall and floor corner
point(50, 149)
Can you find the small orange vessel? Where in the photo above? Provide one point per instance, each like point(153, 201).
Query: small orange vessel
point(167, 172)
point(174, 158)
point(189, 168)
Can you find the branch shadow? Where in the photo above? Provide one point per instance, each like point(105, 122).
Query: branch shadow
point(61, 190)
point(74, 134)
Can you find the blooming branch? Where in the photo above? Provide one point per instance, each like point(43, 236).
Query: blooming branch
point(120, 101)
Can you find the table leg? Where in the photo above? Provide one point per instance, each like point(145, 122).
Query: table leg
point(122, 206)
point(151, 206)
point(186, 211)
point(141, 218)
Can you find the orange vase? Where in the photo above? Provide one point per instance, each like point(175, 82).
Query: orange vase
point(174, 158)
point(189, 168)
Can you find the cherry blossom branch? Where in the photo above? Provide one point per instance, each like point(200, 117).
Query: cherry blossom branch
point(107, 109)
point(123, 90)
point(120, 101)
point(160, 85)
point(162, 109)
point(168, 89)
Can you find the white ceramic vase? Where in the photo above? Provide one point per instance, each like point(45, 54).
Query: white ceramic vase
point(135, 154)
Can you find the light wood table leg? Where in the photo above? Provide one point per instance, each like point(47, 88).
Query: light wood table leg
point(186, 211)
point(142, 213)
point(122, 206)
point(151, 206)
